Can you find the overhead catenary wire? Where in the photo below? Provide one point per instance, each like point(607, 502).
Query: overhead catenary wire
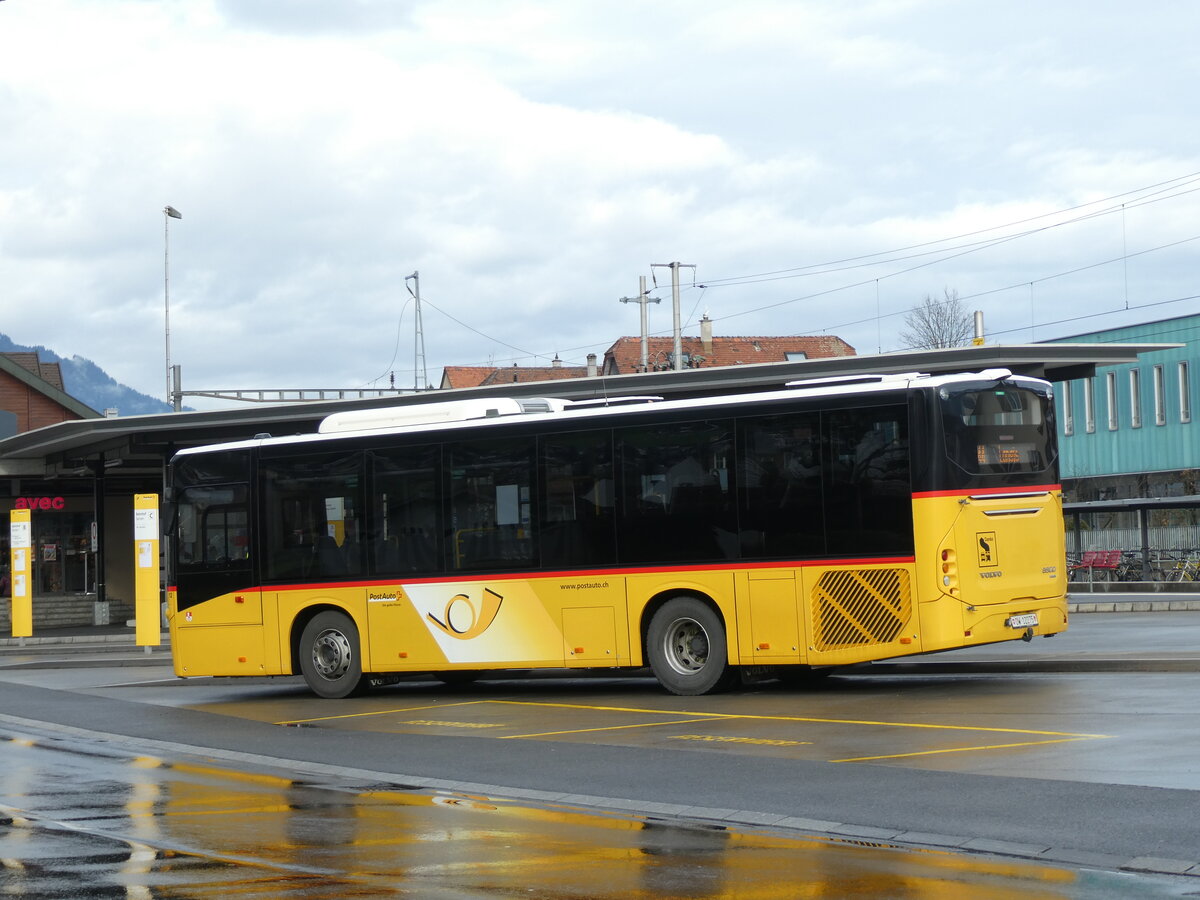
point(1158, 192)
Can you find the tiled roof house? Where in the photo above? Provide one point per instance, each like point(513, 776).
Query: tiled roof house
point(625, 356)
point(478, 376)
point(706, 351)
point(31, 392)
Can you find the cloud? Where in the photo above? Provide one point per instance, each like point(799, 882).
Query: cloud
point(531, 160)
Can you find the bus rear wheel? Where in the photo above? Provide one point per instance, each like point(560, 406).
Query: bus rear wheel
point(686, 648)
point(330, 659)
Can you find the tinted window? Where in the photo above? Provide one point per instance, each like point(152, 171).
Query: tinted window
point(578, 518)
point(779, 506)
point(491, 504)
point(997, 430)
point(209, 468)
point(676, 493)
point(212, 530)
point(313, 516)
point(406, 505)
point(868, 493)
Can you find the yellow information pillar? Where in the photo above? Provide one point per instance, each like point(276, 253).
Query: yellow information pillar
point(147, 615)
point(20, 542)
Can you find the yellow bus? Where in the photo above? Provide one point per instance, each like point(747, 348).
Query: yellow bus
point(782, 532)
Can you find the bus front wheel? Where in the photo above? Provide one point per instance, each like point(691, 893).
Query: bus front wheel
point(686, 648)
point(330, 659)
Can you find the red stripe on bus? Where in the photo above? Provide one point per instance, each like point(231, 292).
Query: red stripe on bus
point(457, 578)
point(978, 492)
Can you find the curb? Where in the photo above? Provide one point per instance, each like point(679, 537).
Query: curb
point(1163, 605)
point(99, 642)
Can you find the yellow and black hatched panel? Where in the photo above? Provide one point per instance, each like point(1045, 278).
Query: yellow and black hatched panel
point(854, 608)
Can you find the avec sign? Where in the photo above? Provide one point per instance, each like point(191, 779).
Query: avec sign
point(40, 503)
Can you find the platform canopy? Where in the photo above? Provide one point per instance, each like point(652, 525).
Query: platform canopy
point(140, 445)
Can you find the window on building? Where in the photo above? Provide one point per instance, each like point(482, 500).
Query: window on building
point(1135, 398)
point(1110, 383)
point(1068, 409)
point(1089, 404)
point(1185, 393)
point(1160, 400)
point(795, 355)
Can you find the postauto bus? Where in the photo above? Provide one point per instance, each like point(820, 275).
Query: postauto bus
point(782, 532)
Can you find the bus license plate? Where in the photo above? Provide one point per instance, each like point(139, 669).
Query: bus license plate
point(1028, 620)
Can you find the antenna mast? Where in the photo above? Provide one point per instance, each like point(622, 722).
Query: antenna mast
point(420, 377)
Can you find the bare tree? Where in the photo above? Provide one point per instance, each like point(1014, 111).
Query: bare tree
point(937, 323)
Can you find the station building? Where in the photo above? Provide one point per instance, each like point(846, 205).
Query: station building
point(97, 464)
point(32, 396)
point(1129, 430)
point(1129, 444)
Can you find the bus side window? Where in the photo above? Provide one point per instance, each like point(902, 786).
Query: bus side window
point(212, 528)
point(780, 507)
point(491, 504)
point(406, 503)
point(676, 500)
point(868, 492)
point(578, 522)
point(313, 512)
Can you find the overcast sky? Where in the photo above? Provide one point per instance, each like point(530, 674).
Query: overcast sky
point(823, 165)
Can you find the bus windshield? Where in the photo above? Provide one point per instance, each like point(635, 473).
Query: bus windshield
point(997, 429)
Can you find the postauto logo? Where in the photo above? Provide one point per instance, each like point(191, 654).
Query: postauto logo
point(465, 618)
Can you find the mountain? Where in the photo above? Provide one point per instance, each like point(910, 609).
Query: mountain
point(88, 383)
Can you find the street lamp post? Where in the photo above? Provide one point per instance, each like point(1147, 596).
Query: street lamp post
point(169, 213)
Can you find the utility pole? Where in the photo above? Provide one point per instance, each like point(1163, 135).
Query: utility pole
point(642, 299)
point(674, 267)
point(420, 377)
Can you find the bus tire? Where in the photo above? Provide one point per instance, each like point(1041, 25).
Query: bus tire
point(330, 656)
point(686, 648)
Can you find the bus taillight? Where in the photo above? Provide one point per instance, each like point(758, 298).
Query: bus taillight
point(949, 571)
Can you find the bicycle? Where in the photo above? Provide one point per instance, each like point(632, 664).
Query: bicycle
point(1187, 569)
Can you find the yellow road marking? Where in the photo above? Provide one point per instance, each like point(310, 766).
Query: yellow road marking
point(1055, 737)
point(1085, 737)
point(754, 718)
point(381, 712)
point(725, 739)
point(508, 737)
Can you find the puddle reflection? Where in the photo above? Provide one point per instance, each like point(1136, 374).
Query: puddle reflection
point(103, 824)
